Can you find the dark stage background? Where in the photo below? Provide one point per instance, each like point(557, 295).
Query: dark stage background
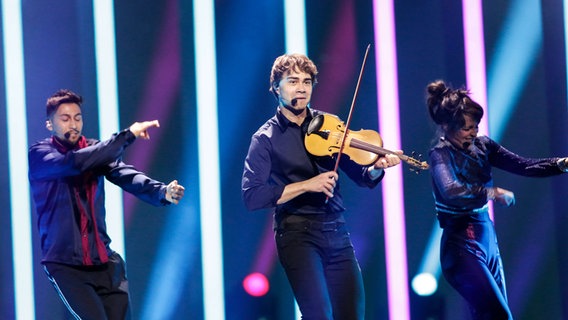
point(156, 79)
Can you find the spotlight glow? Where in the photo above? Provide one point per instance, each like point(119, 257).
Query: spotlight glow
point(295, 26)
point(256, 284)
point(424, 284)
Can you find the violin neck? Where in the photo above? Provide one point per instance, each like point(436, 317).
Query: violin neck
point(362, 145)
point(359, 144)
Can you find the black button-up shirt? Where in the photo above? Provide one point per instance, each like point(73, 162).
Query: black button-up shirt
point(277, 157)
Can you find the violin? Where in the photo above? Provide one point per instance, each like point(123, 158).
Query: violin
point(326, 132)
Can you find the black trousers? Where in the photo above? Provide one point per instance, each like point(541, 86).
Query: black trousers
point(320, 264)
point(92, 292)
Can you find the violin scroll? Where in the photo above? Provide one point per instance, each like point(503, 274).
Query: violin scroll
point(416, 162)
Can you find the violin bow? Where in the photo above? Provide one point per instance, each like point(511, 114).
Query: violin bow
point(348, 122)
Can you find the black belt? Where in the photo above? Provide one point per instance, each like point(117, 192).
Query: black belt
point(311, 225)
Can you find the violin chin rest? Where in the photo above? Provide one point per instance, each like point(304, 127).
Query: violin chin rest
point(315, 124)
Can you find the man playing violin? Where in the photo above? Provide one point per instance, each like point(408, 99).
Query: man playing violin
point(313, 244)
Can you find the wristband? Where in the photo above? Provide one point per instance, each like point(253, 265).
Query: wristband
point(374, 173)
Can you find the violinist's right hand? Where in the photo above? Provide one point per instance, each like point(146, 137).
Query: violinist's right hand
point(324, 182)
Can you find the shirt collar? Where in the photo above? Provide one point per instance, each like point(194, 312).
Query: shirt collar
point(284, 123)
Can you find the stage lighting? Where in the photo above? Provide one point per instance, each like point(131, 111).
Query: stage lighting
point(424, 284)
point(256, 284)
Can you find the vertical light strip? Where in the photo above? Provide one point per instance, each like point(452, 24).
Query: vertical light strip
point(296, 42)
point(295, 26)
point(107, 92)
point(208, 149)
point(565, 4)
point(17, 130)
point(474, 47)
point(389, 124)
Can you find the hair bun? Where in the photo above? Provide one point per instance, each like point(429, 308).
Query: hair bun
point(436, 92)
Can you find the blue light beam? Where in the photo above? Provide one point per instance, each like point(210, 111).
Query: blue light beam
point(18, 159)
point(515, 54)
point(107, 92)
point(208, 149)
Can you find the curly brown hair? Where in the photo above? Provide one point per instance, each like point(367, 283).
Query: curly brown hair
point(287, 62)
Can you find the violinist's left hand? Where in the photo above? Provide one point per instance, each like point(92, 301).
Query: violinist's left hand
point(382, 163)
point(387, 161)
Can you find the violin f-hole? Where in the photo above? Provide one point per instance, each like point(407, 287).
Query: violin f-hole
point(323, 134)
